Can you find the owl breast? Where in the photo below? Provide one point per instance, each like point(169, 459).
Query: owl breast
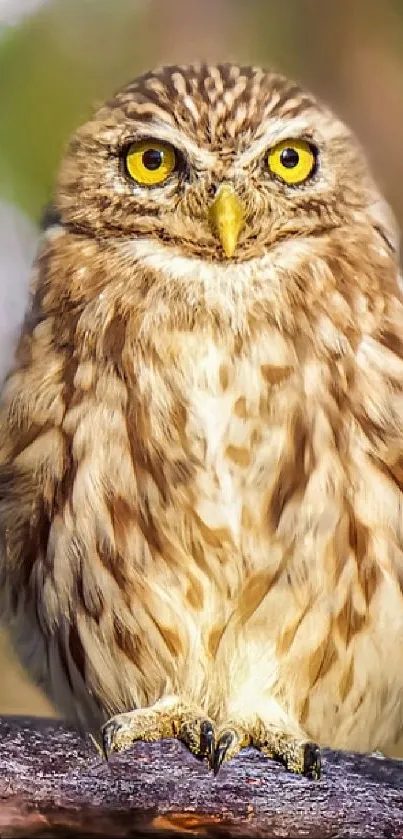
point(240, 430)
point(237, 411)
point(264, 523)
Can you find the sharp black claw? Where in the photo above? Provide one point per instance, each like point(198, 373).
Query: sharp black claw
point(108, 736)
point(226, 740)
point(207, 741)
point(312, 762)
point(106, 741)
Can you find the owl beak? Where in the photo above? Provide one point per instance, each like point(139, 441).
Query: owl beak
point(226, 218)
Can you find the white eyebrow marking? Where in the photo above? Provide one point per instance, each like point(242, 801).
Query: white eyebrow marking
point(273, 132)
point(161, 130)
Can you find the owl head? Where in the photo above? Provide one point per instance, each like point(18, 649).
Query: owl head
point(220, 161)
point(199, 172)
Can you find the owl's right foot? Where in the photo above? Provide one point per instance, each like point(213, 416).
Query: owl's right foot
point(170, 717)
point(299, 756)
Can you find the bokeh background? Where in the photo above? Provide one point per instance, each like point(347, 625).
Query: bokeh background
point(58, 58)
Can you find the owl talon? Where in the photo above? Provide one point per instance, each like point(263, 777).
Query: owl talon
point(229, 743)
point(207, 741)
point(109, 733)
point(198, 736)
point(312, 762)
point(167, 718)
point(223, 750)
point(298, 758)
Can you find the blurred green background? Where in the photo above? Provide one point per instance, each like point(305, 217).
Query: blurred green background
point(68, 54)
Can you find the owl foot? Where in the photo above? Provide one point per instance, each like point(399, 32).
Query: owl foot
point(297, 756)
point(167, 718)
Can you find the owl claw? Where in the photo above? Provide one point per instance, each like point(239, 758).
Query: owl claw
point(312, 762)
point(230, 742)
point(196, 731)
point(108, 738)
point(299, 757)
point(198, 736)
point(226, 747)
point(167, 718)
point(207, 741)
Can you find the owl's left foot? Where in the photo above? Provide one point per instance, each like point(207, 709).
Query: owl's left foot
point(170, 717)
point(298, 756)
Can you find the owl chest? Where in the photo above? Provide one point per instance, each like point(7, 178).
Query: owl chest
point(231, 439)
point(234, 434)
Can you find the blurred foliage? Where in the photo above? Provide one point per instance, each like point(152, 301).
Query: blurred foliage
point(51, 68)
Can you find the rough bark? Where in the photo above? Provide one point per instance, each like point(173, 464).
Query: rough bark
point(52, 783)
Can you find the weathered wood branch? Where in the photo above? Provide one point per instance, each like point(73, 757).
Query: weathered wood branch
point(52, 783)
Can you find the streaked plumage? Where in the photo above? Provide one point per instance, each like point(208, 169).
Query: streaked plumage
point(201, 457)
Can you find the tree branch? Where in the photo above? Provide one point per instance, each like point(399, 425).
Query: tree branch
point(52, 783)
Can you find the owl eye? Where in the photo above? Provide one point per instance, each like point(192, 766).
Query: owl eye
point(150, 162)
point(292, 160)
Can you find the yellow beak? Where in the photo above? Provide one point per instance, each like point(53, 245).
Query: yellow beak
point(226, 217)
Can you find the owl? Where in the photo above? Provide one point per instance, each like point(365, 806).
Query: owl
point(201, 436)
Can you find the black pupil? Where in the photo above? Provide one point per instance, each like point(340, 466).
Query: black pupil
point(152, 159)
point(289, 158)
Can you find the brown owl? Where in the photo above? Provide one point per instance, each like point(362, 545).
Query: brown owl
point(201, 439)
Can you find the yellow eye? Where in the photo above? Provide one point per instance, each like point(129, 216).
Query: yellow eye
point(292, 160)
point(150, 162)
